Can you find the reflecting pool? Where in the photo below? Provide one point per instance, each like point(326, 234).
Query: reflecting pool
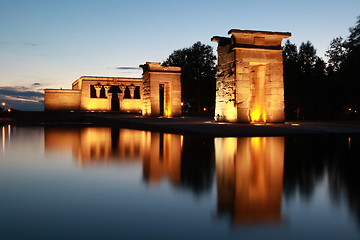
point(113, 183)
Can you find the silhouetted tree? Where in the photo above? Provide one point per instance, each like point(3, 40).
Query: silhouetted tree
point(198, 71)
point(291, 80)
point(305, 82)
point(316, 90)
point(343, 73)
point(307, 57)
point(350, 68)
point(336, 54)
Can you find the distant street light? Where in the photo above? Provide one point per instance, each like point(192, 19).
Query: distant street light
point(3, 104)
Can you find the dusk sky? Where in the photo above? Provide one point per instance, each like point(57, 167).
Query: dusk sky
point(50, 43)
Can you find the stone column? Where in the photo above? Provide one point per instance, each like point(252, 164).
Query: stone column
point(132, 90)
point(122, 88)
point(107, 88)
point(97, 89)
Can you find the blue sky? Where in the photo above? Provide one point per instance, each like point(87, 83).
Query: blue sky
point(49, 44)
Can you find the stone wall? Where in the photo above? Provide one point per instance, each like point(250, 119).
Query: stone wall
point(155, 75)
point(118, 94)
point(62, 100)
point(103, 103)
point(250, 84)
point(80, 97)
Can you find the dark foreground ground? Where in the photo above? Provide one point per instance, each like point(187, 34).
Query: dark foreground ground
point(182, 125)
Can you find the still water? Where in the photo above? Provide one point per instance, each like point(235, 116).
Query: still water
point(111, 183)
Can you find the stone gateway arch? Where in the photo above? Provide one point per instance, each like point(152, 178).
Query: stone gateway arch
point(249, 85)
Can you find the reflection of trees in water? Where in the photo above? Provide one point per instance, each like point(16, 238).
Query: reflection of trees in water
point(197, 163)
point(309, 159)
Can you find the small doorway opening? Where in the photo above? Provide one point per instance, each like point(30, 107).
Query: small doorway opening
point(161, 98)
point(115, 103)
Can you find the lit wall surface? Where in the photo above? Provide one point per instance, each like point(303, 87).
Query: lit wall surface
point(161, 91)
point(158, 93)
point(249, 86)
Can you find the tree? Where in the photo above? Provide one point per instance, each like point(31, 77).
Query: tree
point(347, 76)
point(305, 82)
point(291, 80)
point(307, 57)
point(336, 54)
point(353, 41)
point(198, 75)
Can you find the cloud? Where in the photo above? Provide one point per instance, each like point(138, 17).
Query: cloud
point(3, 42)
point(22, 98)
point(128, 68)
point(31, 44)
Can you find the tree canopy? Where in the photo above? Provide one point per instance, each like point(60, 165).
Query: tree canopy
point(198, 72)
point(316, 90)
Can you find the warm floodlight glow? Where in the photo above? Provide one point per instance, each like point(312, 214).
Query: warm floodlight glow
point(255, 115)
point(230, 113)
point(182, 104)
point(204, 109)
point(258, 111)
point(9, 110)
point(3, 104)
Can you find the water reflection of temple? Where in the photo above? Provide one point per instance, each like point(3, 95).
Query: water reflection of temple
point(249, 173)
point(160, 153)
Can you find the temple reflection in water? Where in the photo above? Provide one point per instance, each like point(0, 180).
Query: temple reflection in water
point(249, 174)
point(160, 153)
point(249, 171)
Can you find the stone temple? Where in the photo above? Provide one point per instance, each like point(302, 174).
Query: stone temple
point(249, 85)
point(158, 93)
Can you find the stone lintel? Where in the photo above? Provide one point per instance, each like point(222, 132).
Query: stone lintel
point(94, 78)
point(258, 33)
point(221, 40)
point(156, 67)
point(61, 91)
point(251, 46)
point(257, 39)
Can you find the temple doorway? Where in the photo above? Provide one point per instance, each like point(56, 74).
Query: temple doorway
point(115, 103)
point(161, 98)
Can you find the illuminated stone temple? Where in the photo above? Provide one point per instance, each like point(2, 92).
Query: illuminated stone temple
point(249, 85)
point(158, 93)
